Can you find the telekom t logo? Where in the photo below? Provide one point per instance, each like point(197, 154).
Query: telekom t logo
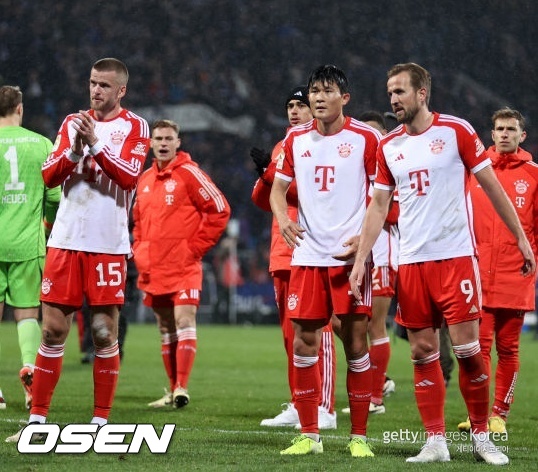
point(419, 180)
point(325, 176)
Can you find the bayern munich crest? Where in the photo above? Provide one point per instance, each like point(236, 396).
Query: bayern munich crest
point(437, 146)
point(344, 150)
point(117, 137)
point(170, 185)
point(46, 284)
point(521, 186)
point(293, 300)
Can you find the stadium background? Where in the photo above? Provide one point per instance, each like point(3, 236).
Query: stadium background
point(223, 68)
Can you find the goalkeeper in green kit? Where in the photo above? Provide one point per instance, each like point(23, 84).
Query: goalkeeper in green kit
point(27, 211)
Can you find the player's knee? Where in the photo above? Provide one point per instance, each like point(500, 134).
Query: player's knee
point(101, 332)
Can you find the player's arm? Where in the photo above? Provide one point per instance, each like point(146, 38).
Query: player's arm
point(62, 160)
point(374, 219)
point(50, 207)
point(289, 229)
point(212, 204)
point(488, 180)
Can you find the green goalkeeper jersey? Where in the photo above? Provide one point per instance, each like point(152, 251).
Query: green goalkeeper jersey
point(24, 198)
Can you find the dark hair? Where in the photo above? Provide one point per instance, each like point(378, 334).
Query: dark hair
point(329, 74)
point(420, 77)
point(508, 112)
point(372, 115)
point(10, 98)
point(113, 64)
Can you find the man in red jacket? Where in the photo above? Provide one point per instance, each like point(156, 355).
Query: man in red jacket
point(179, 215)
point(506, 294)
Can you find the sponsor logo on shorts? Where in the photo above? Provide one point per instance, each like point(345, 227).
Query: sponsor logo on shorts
point(119, 293)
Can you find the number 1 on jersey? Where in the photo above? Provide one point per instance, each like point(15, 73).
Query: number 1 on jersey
point(11, 157)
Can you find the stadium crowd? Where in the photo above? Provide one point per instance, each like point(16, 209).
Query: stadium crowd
point(238, 56)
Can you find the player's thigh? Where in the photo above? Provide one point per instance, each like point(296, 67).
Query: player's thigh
point(23, 283)
point(104, 276)
point(309, 296)
point(454, 288)
point(415, 306)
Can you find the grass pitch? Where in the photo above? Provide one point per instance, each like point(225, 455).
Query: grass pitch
point(239, 378)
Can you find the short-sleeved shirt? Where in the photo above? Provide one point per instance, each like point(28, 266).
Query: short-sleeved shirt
point(431, 172)
point(333, 174)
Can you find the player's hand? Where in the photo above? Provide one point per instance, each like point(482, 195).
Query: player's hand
point(351, 246)
point(529, 264)
point(291, 232)
point(355, 279)
point(261, 159)
point(85, 128)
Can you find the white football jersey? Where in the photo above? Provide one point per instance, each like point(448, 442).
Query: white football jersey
point(332, 174)
point(431, 173)
point(93, 215)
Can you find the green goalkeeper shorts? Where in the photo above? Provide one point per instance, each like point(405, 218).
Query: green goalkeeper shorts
point(20, 282)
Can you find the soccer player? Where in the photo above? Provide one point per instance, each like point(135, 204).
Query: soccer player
point(179, 214)
point(27, 211)
point(98, 157)
point(428, 160)
point(506, 293)
point(332, 160)
point(298, 111)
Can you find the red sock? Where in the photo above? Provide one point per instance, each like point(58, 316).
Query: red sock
point(474, 384)
point(106, 368)
point(307, 391)
point(185, 354)
point(430, 393)
point(359, 391)
point(168, 353)
point(48, 366)
point(379, 358)
point(327, 368)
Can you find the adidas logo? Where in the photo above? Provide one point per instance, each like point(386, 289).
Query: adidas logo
point(479, 379)
point(119, 293)
point(473, 309)
point(306, 154)
point(425, 383)
point(400, 157)
point(146, 189)
point(183, 295)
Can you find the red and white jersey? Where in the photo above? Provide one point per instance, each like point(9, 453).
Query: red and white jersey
point(431, 172)
point(97, 190)
point(333, 174)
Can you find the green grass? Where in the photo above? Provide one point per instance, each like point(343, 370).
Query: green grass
point(238, 379)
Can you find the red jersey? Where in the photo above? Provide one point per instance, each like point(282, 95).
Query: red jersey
point(179, 214)
point(280, 253)
point(499, 258)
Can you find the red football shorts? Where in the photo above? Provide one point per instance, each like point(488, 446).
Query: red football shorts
point(70, 276)
point(384, 281)
point(188, 296)
point(319, 292)
point(429, 291)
